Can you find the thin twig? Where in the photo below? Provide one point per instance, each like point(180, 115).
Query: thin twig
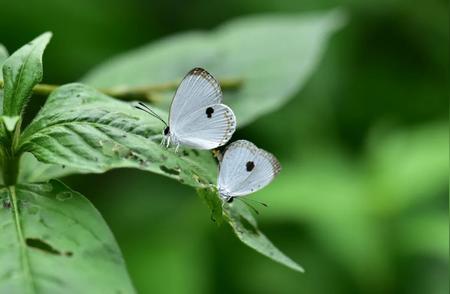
point(144, 93)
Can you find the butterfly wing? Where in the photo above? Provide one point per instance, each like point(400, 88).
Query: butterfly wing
point(207, 128)
point(246, 169)
point(197, 117)
point(197, 90)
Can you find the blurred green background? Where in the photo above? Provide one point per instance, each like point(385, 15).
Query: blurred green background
point(362, 202)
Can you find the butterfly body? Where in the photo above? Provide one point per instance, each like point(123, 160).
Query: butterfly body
point(226, 195)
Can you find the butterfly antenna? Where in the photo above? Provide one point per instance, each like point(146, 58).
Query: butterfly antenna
point(259, 202)
point(250, 206)
point(152, 114)
point(148, 110)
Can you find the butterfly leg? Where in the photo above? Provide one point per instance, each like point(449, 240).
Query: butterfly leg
point(163, 141)
point(176, 148)
point(168, 142)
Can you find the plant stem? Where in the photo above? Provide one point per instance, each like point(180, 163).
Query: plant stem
point(145, 93)
point(10, 171)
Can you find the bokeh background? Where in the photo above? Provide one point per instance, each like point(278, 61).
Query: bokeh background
point(362, 202)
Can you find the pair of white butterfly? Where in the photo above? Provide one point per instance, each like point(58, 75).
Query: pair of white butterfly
point(198, 119)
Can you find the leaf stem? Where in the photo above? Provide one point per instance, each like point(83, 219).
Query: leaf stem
point(10, 170)
point(144, 93)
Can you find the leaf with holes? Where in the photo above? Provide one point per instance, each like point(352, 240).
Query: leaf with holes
point(88, 132)
point(52, 240)
point(21, 72)
point(272, 56)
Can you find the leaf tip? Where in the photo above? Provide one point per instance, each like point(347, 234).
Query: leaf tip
point(42, 40)
point(299, 269)
point(45, 37)
point(48, 34)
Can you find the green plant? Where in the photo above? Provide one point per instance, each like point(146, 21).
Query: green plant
point(81, 129)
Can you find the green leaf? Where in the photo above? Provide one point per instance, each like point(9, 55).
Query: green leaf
point(273, 56)
point(21, 72)
point(3, 56)
point(89, 132)
point(246, 228)
point(82, 130)
point(32, 170)
point(53, 240)
point(4, 138)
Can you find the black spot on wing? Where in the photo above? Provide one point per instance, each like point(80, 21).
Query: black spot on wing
point(209, 112)
point(250, 165)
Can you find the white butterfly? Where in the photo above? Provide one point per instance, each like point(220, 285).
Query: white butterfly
point(197, 117)
point(245, 169)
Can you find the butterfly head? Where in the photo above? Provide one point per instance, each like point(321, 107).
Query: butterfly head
point(229, 199)
point(166, 131)
point(170, 138)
